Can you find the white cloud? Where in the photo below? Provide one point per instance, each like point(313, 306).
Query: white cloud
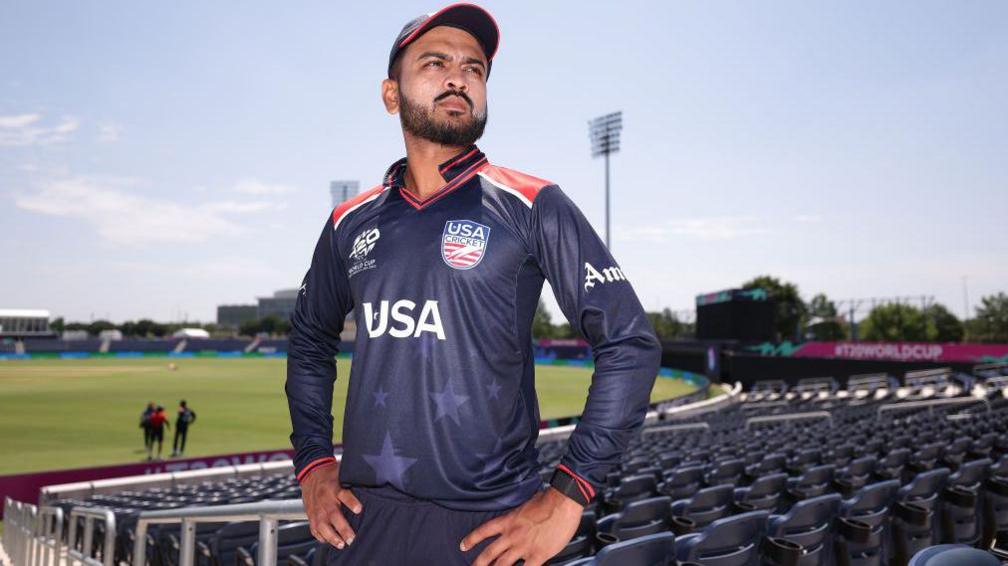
point(108, 133)
point(26, 130)
point(124, 218)
point(808, 218)
point(18, 120)
point(711, 228)
point(256, 187)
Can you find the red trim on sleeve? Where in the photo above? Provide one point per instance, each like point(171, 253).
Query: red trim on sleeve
point(582, 483)
point(346, 205)
point(314, 465)
point(525, 184)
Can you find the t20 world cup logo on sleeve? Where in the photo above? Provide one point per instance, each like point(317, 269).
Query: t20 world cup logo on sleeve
point(463, 243)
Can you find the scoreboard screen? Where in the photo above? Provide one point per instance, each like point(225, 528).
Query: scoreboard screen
point(735, 314)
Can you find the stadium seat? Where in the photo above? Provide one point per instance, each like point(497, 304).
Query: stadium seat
point(861, 535)
point(707, 505)
point(732, 541)
point(638, 518)
point(960, 510)
point(724, 472)
point(651, 550)
point(223, 548)
point(891, 466)
point(764, 492)
point(814, 482)
point(856, 475)
point(630, 489)
point(808, 523)
point(682, 482)
point(953, 555)
point(766, 464)
point(913, 524)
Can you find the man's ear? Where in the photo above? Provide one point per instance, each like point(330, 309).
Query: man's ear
point(390, 95)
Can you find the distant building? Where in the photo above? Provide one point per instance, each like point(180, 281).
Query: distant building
point(342, 191)
point(233, 316)
point(20, 323)
point(280, 305)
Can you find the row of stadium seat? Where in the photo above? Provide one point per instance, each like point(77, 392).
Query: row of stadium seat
point(810, 474)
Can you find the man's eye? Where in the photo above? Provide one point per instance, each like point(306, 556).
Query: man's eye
point(435, 62)
point(477, 70)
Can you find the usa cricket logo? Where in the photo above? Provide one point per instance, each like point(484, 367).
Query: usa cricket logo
point(464, 243)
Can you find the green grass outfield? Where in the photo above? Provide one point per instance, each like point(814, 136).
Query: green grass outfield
point(58, 414)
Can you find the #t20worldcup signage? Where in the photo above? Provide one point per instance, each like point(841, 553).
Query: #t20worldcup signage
point(889, 351)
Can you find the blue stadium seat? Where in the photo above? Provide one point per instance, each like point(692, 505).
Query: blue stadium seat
point(732, 541)
point(764, 492)
point(808, 523)
point(913, 525)
point(724, 472)
point(815, 481)
point(682, 482)
point(960, 512)
point(639, 518)
point(707, 505)
point(953, 555)
point(652, 550)
point(861, 538)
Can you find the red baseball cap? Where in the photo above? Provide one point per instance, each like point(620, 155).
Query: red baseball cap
point(467, 17)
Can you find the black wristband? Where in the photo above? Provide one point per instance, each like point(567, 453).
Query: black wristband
point(569, 486)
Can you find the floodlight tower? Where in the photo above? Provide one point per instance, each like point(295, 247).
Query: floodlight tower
point(604, 133)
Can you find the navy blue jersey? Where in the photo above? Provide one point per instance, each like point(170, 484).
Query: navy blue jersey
point(441, 402)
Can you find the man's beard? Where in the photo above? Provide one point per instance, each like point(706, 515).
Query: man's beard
point(420, 121)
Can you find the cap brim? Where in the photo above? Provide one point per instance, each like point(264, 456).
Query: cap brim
point(468, 17)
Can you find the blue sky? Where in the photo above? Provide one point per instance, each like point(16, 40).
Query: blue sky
point(159, 160)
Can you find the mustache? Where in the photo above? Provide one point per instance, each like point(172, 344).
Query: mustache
point(457, 93)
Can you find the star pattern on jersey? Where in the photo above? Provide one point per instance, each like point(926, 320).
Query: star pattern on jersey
point(389, 468)
point(494, 461)
point(448, 403)
point(379, 397)
point(425, 345)
point(495, 389)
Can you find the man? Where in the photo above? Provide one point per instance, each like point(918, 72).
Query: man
point(183, 419)
point(145, 425)
point(443, 265)
point(158, 422)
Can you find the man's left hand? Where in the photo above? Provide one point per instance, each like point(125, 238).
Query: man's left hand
point(534, 532)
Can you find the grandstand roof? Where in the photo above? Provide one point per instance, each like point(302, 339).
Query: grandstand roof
point(24, 313)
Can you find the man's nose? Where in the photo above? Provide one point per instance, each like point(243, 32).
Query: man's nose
point(456, 80)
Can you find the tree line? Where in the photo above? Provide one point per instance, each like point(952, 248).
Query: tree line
point(146, 328)
point(798, 320)
point(819, 319)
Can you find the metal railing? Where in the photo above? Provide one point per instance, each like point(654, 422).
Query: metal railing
point(931, 404)
point(48, 537)
point(789, 417)
point(675, 428)
point(19, 530)
point(267, 513)
point(83, 556)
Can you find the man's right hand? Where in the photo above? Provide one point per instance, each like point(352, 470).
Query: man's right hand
point(322, 494)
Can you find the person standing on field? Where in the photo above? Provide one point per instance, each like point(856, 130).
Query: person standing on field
point(185, 417)
point(145, 425)
point(158, 422)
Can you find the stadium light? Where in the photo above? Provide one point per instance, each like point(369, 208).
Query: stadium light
point(604, 133)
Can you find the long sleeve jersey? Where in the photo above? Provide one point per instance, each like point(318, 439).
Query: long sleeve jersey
point(441, 400)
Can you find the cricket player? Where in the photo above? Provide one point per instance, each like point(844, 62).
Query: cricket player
point(442, 265)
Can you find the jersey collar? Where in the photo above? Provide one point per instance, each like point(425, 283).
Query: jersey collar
point(456, 171)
